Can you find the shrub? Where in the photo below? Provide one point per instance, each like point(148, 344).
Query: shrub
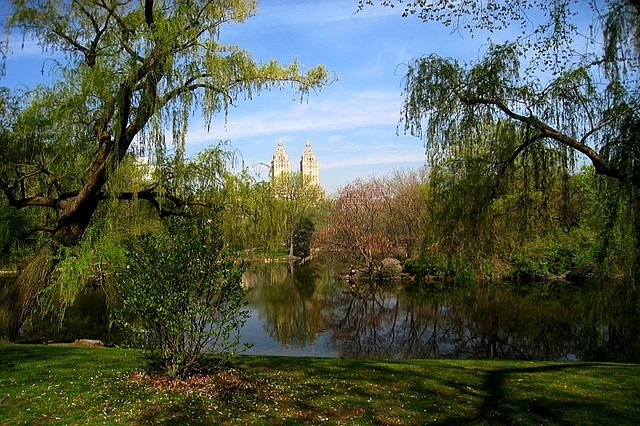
point(302, 238)
point(543, 259)
point(183, 293)
point(426, 265)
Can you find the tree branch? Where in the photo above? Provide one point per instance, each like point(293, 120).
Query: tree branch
point(124, 30)
point(148, 13)
point(547, 131)
point(37, 201)
point(92, 51)
point(154, 198)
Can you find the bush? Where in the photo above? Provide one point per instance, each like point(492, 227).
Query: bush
point(431, 265)
point(543, 260)
point(183, 293)
point(302, 238)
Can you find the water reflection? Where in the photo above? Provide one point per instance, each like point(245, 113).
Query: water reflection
point(311, 312)
point(287, 303)
point(377, 321)
point(306, 310)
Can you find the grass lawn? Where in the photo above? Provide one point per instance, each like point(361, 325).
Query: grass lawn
point(73, 385)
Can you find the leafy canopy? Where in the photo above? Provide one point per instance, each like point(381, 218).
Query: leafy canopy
point(588, 103)
point(128, 71)
point(562, 90)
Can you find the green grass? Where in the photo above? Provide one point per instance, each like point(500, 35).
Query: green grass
point(73, 385)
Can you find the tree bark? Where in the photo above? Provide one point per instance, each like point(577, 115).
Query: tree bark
point(291, 244)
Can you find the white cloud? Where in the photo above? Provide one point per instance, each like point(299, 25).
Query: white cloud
point(347, 111)
point(305, 13)
point(378, 157)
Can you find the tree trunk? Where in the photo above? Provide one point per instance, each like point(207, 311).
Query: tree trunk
point(635, 265)
point(291, 245)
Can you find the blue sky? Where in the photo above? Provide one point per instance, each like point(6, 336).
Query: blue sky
point(351, 124)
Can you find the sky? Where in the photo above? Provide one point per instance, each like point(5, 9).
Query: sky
point(352, 124)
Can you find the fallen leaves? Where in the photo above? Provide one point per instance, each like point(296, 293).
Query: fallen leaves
point(222, 384)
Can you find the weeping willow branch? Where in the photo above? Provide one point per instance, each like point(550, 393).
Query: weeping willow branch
point(547, 131)
point(155, 199)
point(24, 236)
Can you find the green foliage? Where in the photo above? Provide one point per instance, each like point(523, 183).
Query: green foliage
point(184, 291)
point(296, 204)
point(250, 223)
point(541, 261)
point(619, 211)
point(529, 219)
point(261, 217)
point(428, 265)
point(501, 178)
point(504, 135)
point(302, 238)
point(91, 264)
point(436, 267)
point(12, 226)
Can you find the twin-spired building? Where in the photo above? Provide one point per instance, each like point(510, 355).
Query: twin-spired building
point(309, 167)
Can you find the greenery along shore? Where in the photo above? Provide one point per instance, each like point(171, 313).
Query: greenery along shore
point(73, 385)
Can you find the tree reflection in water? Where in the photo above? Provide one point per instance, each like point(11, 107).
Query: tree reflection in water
point(378, 320)
point(305, 307)
point(287, 302)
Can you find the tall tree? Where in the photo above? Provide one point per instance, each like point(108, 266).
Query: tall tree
point(131, 70)
point(404, 201)
point(298, 201)
point(357, 224)
point(567, 82)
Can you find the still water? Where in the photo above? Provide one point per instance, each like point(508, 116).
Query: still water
point(305, 310)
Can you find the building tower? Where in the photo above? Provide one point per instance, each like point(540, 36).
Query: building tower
point(309, 166)
point(280, 164)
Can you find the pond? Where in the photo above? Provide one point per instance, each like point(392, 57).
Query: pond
point(305, 310)
point(311, 312)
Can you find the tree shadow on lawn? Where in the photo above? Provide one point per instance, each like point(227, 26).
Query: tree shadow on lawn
point(503, 403)
point(496, 393)
point(190, 411)
point(366, 391)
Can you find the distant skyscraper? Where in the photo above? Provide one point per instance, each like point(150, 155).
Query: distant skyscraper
point(280, 163)
point(309, 166)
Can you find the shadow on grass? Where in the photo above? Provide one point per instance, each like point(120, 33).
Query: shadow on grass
point(450, 392)
point(190, 411)
point(502, 406)
point(280, 390)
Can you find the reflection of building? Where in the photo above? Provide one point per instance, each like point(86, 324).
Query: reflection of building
point(309, 167)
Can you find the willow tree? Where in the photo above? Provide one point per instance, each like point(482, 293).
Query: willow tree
point(566, 80)
point(129, 71)
point(297, 204)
